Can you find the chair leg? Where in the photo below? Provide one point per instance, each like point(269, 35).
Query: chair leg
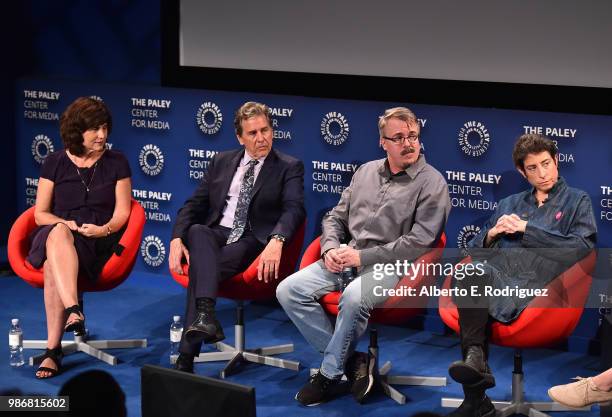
point(118, 344)
point(232, 365)
point(90, 347)
point(274, 350)
point(224, 347)
point(223, 355)
point(42, 344)
point(271, 361)
point(429, 381)
point(237, 354)
point(68, 348)
point(391, 392)
point(518, 405)
point(384, 380)
point(97, 353)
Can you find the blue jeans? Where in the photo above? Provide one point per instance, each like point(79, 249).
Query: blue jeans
point(299, 295)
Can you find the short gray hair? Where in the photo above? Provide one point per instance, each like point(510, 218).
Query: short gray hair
point(402, 113)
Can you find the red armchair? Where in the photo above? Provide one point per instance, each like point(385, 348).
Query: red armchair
point(546, 321)
point(115, 271)
point(245, 286)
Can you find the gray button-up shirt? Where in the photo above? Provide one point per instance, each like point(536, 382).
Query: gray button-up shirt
point(389, 217)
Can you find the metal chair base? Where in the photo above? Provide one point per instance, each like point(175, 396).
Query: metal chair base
point(385, 381)
point(518, 405)
point(90, 347)
point(237, 355)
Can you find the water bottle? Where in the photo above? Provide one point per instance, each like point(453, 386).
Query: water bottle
point(176, 331)
point(346, 275)
point(16, 344)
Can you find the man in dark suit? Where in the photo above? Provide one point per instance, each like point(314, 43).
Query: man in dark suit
point(250, 201)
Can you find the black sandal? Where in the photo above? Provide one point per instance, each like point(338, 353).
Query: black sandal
point(77, 325)
point(56, 355)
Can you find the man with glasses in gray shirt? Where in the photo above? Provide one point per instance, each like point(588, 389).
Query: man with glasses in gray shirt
point(394, 210)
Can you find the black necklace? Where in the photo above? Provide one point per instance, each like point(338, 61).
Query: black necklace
point(90, 179)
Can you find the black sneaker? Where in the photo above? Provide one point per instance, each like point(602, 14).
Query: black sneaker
point(360, 375)
point(479, 408)
point(317, 390)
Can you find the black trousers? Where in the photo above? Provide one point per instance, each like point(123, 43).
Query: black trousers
point(474, 319)
point(211, 261)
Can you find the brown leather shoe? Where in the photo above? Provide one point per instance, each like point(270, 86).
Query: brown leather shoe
point(579, 394)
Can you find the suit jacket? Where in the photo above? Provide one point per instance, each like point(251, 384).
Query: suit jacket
point(277, 203)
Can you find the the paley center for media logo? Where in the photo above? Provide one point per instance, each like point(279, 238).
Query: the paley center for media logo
point(467, 233)
point(209, 118)
point(474, 138)
point(41, 147)
point(334, 128)
point(153, 250)
point(151, 160)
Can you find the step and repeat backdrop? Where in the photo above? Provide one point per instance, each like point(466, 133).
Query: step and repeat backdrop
point(169, 136)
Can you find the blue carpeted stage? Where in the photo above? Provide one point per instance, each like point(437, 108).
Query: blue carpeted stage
point(143, 308)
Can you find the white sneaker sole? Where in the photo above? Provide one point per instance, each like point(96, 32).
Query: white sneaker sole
point(307, 405)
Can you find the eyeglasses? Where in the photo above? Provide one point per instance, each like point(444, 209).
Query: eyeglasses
point(402, 139)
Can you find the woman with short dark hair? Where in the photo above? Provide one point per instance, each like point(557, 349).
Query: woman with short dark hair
point(82, 204)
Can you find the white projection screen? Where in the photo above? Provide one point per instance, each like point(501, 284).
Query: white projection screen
point(553, 42)
point(551, 55)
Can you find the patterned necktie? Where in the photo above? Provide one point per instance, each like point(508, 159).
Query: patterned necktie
point(244, 199)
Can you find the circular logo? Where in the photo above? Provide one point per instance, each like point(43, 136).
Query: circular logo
point(209, 118)
point(474, 138)
point(334, 128)
point(153, 250)
point(151, 160)
point(41, 147)
point(466, 234)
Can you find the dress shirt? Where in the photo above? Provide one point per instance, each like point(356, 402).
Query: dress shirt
point(389, 217)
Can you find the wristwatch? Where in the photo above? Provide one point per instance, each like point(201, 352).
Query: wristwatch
point(279, 237)
point(325, 253)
